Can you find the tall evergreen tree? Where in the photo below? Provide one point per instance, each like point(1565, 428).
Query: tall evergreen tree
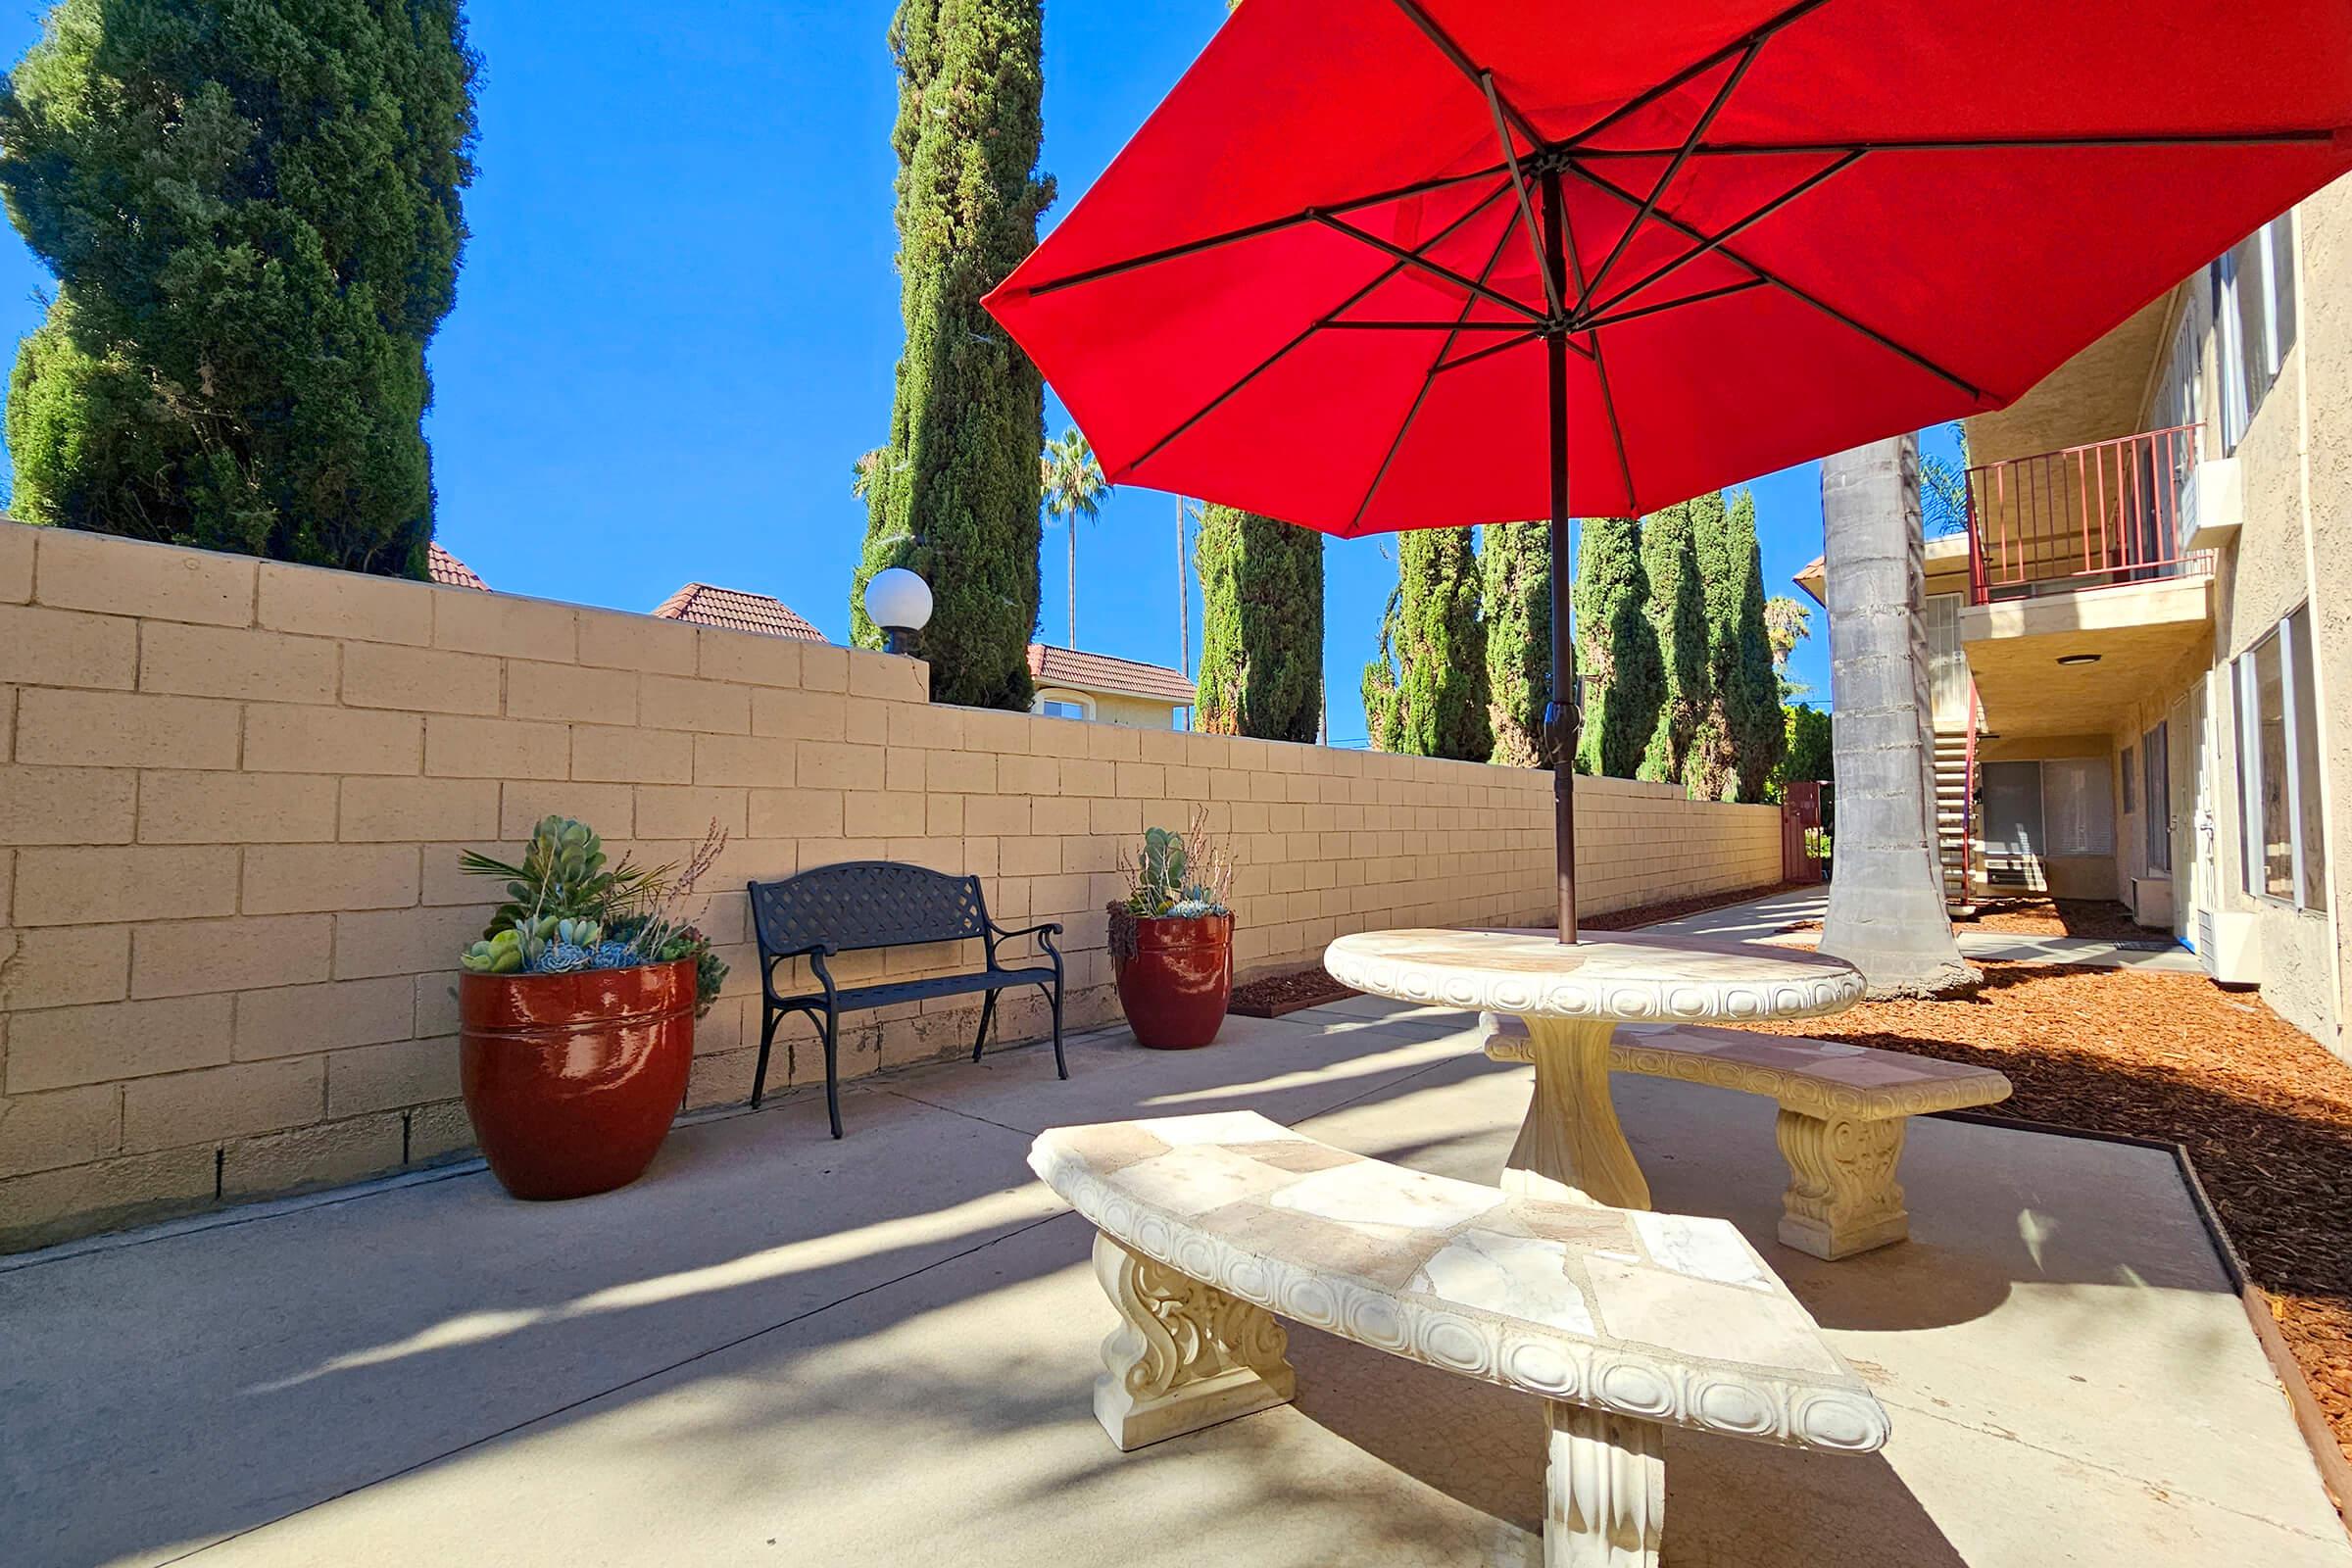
point(960, 503)
point(1744, 728)
point(1425, 694)
point(253, 211)
point(1616, 650)
point(1678, 612)
point(1514, 563)
point(1261, 626)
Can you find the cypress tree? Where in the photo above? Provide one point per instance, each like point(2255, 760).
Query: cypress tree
point(253, 211)
point(1261, 626)
point(1514, 562)
point(1616, 649)
point(1807, 752)
point(959, 498)
point(1678, 612)
point(1432, 699)
point(1743, 725)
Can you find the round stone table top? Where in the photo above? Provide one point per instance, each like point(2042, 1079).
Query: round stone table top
point(1616, 975)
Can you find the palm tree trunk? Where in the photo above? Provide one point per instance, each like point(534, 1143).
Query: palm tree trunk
point(1072, 523)
point(1887, 911)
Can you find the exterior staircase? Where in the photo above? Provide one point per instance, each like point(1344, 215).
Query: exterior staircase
point(1955, 811)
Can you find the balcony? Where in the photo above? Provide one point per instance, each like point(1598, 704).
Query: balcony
point(2098, 515)
point(2083, 595)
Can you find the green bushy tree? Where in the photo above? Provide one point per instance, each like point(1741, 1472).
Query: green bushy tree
point(959, 492)
point(1678, 612)
point(1261, 626)
point(1514, 563)
point(253, 209)
point(1744, 728)
point(1617, 650)
point(1807, 754)
point(1425, 694)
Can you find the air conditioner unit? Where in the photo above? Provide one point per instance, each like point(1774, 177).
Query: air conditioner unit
point(2230, 945)
point(2212, 503)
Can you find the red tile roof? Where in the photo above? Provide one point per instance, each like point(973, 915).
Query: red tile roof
point(1099, 672)
point(450, 572)
point(737, 610)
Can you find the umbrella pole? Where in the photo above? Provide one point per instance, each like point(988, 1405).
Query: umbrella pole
point(1559, 715)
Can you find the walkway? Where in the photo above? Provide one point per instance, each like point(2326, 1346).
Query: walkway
point(779, 1349)
point(1768, 919)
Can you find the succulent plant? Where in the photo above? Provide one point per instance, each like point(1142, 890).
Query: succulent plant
point(559, 958)
point(563, 874)
point(613, 954)
point(501, 955)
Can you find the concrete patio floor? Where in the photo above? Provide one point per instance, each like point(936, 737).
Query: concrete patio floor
point(780, 1350)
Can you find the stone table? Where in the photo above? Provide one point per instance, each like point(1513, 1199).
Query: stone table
point(1571, 1000)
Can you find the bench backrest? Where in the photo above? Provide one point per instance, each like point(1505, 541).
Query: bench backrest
point(866, 903)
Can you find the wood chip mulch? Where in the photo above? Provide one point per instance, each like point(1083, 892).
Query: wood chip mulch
point(2099, 920)
point(1652, 914)
point(1278, 994)
point(2263, 1110)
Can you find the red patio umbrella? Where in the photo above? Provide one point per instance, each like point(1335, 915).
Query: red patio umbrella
point(1394, 263)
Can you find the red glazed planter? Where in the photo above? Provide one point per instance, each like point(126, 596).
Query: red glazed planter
point(572, 1080)
point(1175, 985)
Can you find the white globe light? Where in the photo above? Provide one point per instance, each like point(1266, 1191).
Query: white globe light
point(898, 600)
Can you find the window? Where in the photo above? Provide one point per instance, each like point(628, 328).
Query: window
point(2130, 765)
point(2254, 311)
point(2077, 806)
point(2284, 844)
point(2156, 790)
point(1062, 708)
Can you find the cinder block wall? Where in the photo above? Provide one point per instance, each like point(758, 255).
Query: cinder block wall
point(232, 795)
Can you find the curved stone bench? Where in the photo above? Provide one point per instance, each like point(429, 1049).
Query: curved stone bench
point(1843, 1112)
point(1622, 1322)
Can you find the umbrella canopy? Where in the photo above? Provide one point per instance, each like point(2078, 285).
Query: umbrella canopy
point(1391, 263)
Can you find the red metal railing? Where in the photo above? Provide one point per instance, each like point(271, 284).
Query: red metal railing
point(2091, 515)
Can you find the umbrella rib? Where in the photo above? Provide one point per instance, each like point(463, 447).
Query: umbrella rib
point(1977, 144)
point(1424, 326)
point(1247, 232)
point(1701, 298)
point(1716, 240)
point(1699, 132)
point(1429, 378)
point(1788, 288)
point(1434, 268)
point(1530, 335)
point(1462, 63)
point(1748, 40)
point(1527, 211)
point(1311, 328)
point(1600, 368)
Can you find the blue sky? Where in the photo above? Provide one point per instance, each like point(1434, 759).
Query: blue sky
point(677, 319)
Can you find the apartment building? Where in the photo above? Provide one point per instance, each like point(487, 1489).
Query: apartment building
point(2142, 649)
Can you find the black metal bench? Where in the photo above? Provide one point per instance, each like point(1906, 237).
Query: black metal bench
point(861, 905)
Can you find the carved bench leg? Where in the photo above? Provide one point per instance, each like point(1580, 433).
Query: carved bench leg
point(1185, 1355)
point(1605, 1489)
point(1842, 1196)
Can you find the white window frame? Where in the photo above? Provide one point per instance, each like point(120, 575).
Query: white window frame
point(2271, 251)
point(1057, 694)
point(2253, 858)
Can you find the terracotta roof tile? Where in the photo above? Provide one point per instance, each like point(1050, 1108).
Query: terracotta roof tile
point(737, 610)
point(1099, 672)
point(450, 572)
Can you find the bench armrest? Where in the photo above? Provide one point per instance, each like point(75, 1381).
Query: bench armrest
point(1045, 934)
point(816, 953)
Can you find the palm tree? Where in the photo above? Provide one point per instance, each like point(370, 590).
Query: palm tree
point(865, 470)
point(1074, 488)
point(1886, 909)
